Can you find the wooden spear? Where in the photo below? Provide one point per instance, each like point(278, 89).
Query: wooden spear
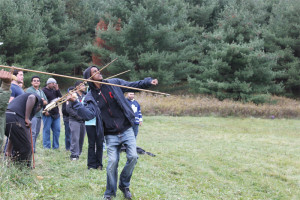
point(82, 79)
point(117, 74)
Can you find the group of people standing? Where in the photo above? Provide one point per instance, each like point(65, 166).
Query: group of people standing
point(103, 112)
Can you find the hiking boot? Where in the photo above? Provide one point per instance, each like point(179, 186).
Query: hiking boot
point(126, 192)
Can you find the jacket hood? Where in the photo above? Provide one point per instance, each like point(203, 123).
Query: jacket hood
point(87, 75)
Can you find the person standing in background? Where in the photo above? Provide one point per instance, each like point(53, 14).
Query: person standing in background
point(137, 113)
point(66, 123)
point(51, 119)
point(37, 119)
point(77, 126)
point(95, 145)
point(16, 90)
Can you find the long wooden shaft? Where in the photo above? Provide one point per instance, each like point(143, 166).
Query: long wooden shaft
point(117, 75)
point(75, 89)
point(33, 161)
point(63, 99)
point(82, 79)
point(51, 74)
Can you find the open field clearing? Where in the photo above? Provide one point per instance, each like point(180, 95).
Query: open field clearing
point(196, 158)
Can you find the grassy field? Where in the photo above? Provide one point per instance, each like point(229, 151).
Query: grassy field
point(196, 158)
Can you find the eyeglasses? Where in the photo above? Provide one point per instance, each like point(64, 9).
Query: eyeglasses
point(35, 80)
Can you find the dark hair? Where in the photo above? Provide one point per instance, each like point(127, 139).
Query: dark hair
point(77, 83)
point(16, 71)
point(35, 77)
point(70, 88)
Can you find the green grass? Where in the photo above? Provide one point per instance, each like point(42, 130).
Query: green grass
point(196, 158)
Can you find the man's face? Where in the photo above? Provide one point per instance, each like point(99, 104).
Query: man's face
point(98, 76)
point(82, 88)
point(130, 95)
point(51, 85)
point(35, 82)
point(20, 77)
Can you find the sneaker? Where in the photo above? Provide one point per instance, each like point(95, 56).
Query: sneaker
point(107, 197)
point(126, 192)
point(74, 158)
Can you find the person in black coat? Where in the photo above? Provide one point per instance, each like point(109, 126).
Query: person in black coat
point(114, 120)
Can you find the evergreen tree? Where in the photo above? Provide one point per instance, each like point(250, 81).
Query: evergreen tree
point(154, 39)
point(234, 64)
point(63, 52)
point(205, 13)
point(21, 31)
point(86, 14)
point(282, 37)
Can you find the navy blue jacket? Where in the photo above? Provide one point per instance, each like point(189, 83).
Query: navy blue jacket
point(90, 108)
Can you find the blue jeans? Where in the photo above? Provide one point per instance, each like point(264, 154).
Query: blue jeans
point(67, 134)
point(54, 124)
point(135, 129)
point(35, 127)
point(114, 143)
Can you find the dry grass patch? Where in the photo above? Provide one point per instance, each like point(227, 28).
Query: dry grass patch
point(186, 105)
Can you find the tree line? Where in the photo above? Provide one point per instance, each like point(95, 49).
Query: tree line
point(237, 49)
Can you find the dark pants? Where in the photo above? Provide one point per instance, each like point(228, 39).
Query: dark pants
point(67, 134)
point(95, 148)
point(20, 137)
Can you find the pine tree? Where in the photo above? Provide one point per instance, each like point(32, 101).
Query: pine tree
point(21, 33)
point(282, 37)
point(155, 39)
point(234, 64)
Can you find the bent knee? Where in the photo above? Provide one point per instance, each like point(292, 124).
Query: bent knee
point(132, 158)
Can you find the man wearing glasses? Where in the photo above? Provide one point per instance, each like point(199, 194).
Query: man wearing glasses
point(37, 119)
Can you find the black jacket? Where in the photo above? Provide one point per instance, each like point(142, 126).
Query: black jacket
point(90, 108)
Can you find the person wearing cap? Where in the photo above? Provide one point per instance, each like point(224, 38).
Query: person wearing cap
point(37, 119)
point(51, 119)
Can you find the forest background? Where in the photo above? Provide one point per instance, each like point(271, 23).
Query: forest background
point(230, 49)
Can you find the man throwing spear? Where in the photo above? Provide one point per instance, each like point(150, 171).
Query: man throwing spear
point(114, 120)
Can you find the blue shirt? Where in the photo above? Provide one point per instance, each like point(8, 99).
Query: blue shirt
point(16, 90)
point(136, 110)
